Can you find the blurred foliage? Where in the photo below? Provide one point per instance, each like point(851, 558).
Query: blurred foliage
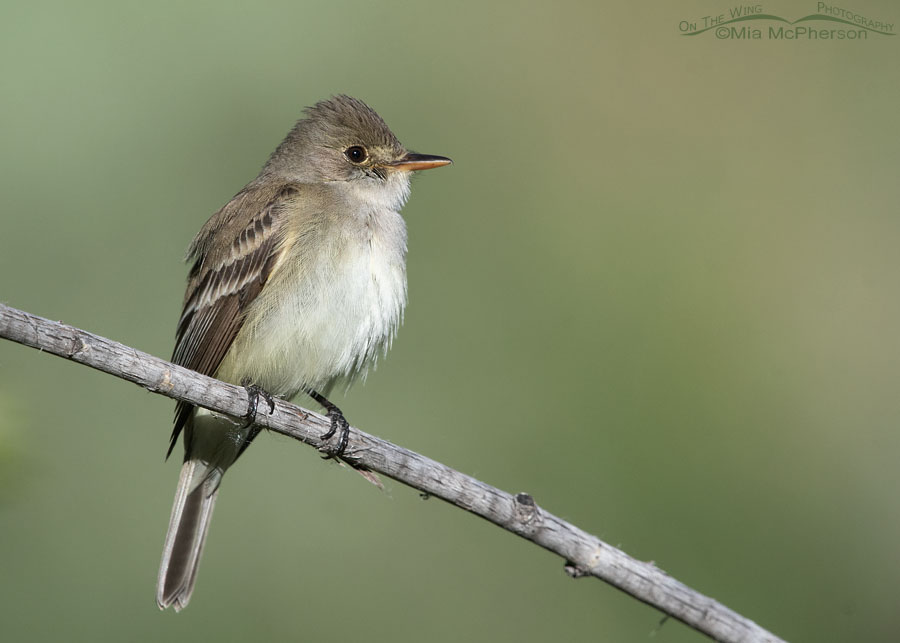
point(657, 290)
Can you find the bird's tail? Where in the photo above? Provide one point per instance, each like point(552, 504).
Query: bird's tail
point(195, 498)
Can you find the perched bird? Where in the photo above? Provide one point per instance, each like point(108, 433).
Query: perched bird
point(298, 281)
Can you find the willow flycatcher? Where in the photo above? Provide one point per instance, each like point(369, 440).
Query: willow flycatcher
point(300, 280)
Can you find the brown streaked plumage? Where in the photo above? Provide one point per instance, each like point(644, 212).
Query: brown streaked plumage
point(224, 281)
point(298, 281)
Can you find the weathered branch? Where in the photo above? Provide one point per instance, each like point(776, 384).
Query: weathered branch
point(584, 554)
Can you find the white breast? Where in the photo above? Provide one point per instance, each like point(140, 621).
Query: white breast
point(329, 309)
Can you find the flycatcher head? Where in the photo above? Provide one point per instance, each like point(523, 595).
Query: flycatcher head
point(343, 139)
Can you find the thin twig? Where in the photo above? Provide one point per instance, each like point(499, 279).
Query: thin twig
point(585, 555)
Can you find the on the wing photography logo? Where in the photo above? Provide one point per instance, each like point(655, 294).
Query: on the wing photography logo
point(750, 22)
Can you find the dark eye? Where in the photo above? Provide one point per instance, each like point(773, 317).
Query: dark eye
point(356, 154)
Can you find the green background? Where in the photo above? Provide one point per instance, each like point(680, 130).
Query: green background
point(658, 290)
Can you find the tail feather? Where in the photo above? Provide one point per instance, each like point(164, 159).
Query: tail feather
point(195, 499)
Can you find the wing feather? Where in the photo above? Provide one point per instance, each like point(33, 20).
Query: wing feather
point(223, 282)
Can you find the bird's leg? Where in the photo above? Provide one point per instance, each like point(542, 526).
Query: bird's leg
point(337, 422)
point(253, 394)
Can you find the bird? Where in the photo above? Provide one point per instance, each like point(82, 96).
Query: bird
point(298, 282)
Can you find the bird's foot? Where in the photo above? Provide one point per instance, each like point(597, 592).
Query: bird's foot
point(253, 394)
point(338, 423)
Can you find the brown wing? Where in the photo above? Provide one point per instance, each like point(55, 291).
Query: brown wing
point(223, 282)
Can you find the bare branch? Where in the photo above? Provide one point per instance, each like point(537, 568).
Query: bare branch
point(584, 554)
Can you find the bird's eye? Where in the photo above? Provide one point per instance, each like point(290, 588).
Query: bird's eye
point(356, 154)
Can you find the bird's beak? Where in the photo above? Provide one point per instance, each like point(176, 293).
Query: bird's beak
point(413, 162)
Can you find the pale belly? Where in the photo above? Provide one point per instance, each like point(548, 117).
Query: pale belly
point(317, 322)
